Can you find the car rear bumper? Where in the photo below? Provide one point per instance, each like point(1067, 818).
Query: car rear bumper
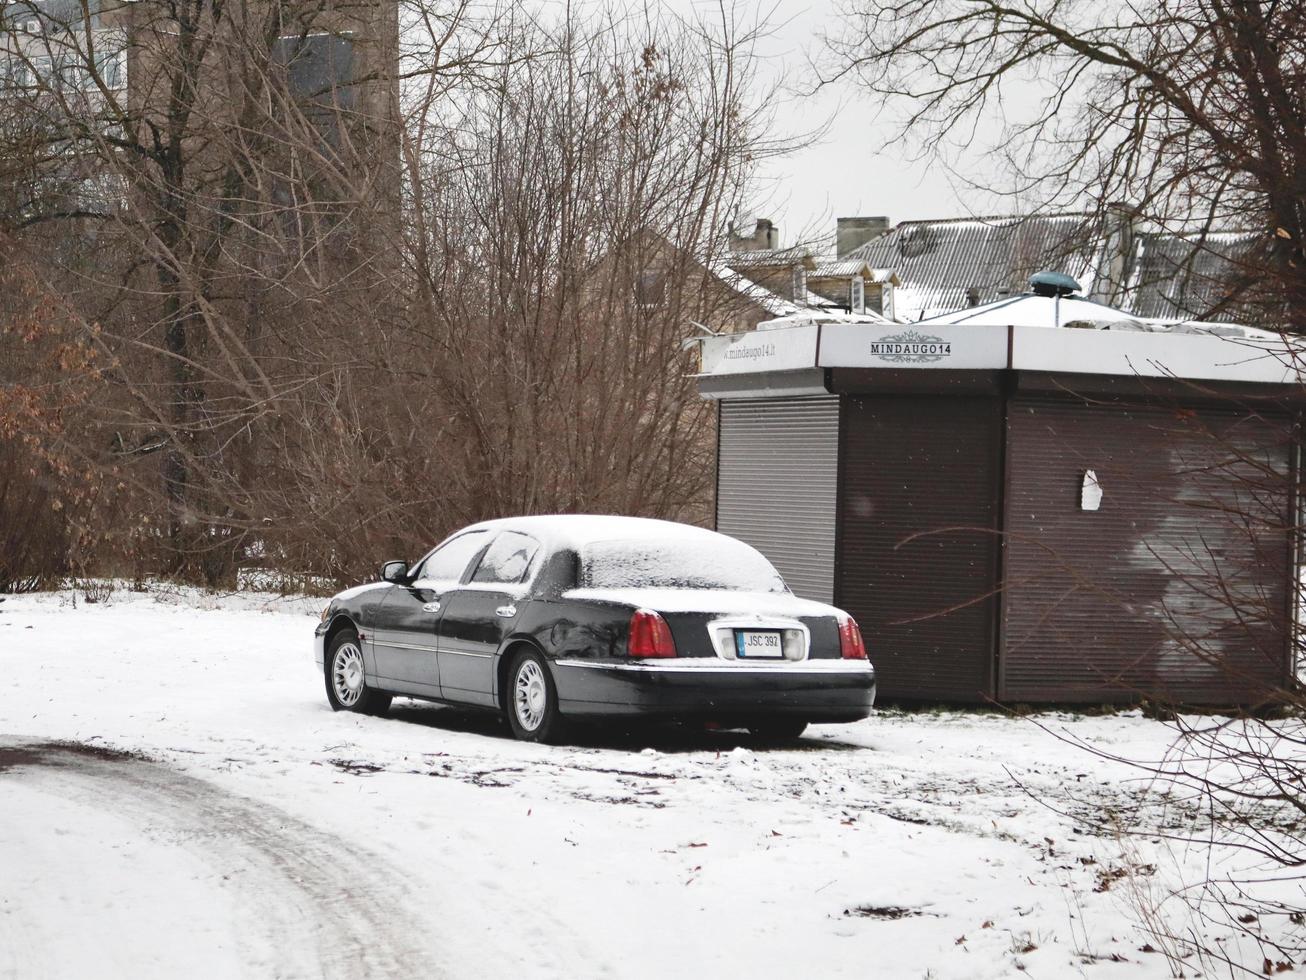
point(715, 690)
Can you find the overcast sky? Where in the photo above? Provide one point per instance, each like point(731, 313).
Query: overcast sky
point(854, 169)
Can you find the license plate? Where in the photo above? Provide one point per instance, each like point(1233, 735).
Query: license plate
point(758, 645)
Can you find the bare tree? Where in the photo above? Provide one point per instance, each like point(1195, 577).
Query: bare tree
point(346, 293)
point(1193, 111)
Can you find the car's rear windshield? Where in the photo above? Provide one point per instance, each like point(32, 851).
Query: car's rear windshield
point(701, 563)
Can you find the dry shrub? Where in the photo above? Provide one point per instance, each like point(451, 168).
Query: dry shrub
point(33, 534)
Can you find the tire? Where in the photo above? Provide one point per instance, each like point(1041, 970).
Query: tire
point(531, 700)
point(346, 685)
point(779, 729)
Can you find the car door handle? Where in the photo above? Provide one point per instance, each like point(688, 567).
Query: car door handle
point(506, 611)
point(430, 607)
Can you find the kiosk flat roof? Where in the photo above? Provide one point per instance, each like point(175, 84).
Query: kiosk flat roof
point(1262, 358)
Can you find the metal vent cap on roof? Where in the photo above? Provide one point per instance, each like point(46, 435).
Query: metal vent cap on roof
point(1053, 284)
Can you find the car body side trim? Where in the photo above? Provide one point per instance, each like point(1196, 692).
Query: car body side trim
point(717, 667)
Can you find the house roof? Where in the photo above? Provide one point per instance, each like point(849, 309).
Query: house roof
point(839, 269)
point(772, 303)
point(949, 265)
point(1173, 277)
point(940, 263)
point(847, 268)
point(807, 318)
point(772, 258)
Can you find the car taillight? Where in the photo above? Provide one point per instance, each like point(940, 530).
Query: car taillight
point(650, 636)
point(851, 645)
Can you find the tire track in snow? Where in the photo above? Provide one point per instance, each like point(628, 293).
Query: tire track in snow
point(311, 904)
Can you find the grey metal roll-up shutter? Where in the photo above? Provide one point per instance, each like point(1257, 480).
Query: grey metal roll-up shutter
point(777, 479)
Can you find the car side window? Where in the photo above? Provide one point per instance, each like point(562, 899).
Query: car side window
point(508, 560)
point(449, 561)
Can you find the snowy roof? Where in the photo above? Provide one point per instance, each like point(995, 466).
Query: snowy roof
point(838, 268)
point(847, 268)
point(1029, 310)
point(771, 258)
point(1176, 277)
point(1122, 347)
point(939, 263)
point(769, 301)
point(805, 318)
point(945, 265)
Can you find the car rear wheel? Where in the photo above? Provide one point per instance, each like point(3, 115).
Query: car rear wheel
point(779, 729)
point(532, 700)
point(346, 683)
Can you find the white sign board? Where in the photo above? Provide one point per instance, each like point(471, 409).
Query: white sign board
point(787, 349)
point(940, 346)
point(1152, 355)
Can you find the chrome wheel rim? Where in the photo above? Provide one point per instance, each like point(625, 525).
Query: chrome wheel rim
point(529, 695)
point(347, 674)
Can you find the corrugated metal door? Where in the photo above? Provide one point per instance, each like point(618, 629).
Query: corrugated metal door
point(918, 546)
point(776, 484)
point(1175, 586)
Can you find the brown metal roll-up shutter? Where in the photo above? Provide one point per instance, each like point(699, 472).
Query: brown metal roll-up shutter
point(1175, 586)
point(776, 482)
point(918, 548)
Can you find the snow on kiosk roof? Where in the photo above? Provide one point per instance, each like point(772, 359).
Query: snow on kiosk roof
point(933, 479)
point(1048, 330)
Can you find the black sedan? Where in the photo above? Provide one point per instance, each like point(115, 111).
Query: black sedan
point(554, 619)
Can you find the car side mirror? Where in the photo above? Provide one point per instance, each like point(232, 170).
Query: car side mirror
point(394, 571)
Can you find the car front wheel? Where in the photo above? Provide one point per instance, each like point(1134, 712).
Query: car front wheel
point(532, 700)
point(346, 682)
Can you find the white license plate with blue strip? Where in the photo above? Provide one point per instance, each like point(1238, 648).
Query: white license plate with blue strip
point(758, 645)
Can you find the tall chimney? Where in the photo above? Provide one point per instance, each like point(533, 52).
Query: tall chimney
point(852, 233)
point(1119, 248)
point(753, 235)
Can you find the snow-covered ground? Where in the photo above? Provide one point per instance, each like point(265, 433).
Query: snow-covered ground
point(252, 832)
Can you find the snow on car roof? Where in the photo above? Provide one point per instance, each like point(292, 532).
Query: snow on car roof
point(578, 530)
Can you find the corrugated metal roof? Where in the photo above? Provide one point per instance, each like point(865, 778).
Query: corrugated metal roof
point(839, 269)
point(940, 263)
point(1176, 278)
point(771, 258)
point(949, 265)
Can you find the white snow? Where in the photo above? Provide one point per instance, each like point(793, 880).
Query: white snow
point(808, 317)
point(714, 562)
point(575, 531)
point(708, 600)
point(273, 837)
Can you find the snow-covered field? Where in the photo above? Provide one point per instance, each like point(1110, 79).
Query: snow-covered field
point(252, 832)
